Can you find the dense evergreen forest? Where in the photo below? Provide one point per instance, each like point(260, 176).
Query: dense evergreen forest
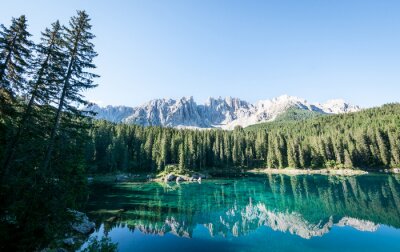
point(48, 143)
point(369, 139)
point(42, 130)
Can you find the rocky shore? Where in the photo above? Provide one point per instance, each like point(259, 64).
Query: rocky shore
point(172, 177)
point(75, 235)
point(292, 171)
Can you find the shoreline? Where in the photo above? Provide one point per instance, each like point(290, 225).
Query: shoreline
point(294, 172)
point(206, 174)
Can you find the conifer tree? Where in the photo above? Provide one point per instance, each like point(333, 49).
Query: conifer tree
point(182, 157)
point(287, 145)
point(347, 160)
point(164, 149)
point(80, 53)
point(47, 76)
point(291, 156)
point(394, 142)
point(15, 56)
point(383, 147)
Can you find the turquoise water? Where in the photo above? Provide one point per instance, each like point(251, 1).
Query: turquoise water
point(258, 213)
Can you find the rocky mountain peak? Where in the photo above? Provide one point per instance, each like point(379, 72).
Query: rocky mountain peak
point(218, 112)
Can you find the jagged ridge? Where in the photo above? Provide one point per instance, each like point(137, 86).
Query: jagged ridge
point(225, 113)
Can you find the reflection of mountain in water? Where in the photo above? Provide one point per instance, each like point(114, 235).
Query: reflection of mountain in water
point(306, 206)
point(258, 215)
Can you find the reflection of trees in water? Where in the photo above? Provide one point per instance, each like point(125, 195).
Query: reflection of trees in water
point(303, 205)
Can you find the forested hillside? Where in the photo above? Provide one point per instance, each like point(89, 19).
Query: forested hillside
point(369, 139)
point(295, 114)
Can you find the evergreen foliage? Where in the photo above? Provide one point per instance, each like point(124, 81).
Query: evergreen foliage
point(42, 127)
point(369, 139)
point(48, 143)
point(15, 55)
point(297, 114)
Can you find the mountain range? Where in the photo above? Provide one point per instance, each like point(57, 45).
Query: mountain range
point(225, 113)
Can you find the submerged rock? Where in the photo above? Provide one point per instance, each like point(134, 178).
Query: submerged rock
point(54, 250)
point(82, 224)
point(69, 241)
point(121, 178)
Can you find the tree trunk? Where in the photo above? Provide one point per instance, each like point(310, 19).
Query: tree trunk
point(56, 125)
point(58, 118)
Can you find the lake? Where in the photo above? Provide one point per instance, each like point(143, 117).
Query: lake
point(255, 213)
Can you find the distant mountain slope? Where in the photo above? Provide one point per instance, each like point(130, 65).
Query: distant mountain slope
point(112, 113)
point(225, 113)
point(297, 114)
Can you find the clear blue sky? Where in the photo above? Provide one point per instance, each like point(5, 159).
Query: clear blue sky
point(254, 50)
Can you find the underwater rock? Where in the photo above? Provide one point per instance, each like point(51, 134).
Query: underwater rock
point(69, 241)
point(82, 224)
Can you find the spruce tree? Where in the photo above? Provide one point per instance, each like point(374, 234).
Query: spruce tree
point(394, 142)
point(80, 53)
point(182, 157)
point(291, 156)
point(348, 163)
point(15, 56)
point(164, 149)
point(47, 76)
point(383, 148)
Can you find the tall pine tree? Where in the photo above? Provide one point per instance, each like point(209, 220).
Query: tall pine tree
point(48, 74)
point(80, 51)
point(15, 55)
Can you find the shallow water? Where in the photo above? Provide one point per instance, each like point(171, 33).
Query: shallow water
point(260, 213)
